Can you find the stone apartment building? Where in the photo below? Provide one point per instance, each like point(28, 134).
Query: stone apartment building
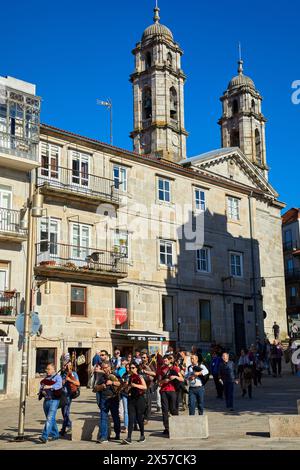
point(150, 248)
point(291, 250)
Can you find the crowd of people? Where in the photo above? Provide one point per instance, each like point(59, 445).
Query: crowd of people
point(131, 388)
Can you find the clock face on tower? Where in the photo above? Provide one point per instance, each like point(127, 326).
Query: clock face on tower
point(175, 140)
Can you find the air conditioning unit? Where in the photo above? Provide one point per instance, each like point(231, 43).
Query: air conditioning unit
point(6, 340)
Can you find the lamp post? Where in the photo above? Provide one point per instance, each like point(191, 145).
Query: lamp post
point(34, 208)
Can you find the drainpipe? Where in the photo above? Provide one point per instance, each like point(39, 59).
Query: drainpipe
point(254, 276)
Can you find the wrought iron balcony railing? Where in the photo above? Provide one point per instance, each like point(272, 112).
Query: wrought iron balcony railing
point(78, 182)
point(9, 301)
point(23, 147)
point(80, 259)
point(10, 222)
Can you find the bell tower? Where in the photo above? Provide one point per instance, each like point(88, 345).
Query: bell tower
point(242, 123)
point(158, 94)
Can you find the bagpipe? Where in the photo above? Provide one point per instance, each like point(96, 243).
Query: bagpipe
point(49, 393)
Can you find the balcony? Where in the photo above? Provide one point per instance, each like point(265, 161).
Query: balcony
point(58, 260)
point(292, 275)
point(18, 152)
point(65, 182)
point(10, 226)
point(9, 305)
point(290, 246)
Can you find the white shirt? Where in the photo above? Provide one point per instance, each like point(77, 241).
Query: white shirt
point(196, 382)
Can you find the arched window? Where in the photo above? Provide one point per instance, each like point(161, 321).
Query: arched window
point(235, 107)
point(173, 104)
point(253, 107)
point(258, 147)
point(147, 103)
point(148, 60)
point(169, 60)
point(235, 139)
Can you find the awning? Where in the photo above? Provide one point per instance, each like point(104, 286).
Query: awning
point(133, 335)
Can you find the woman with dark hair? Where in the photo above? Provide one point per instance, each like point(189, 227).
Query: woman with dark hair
point(136, 402)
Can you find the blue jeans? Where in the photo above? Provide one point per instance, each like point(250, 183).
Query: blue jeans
point(50, 428)
point(196, 398)
point(65, 410)
point(125, 407)
point(107, 405)
point(228, 392)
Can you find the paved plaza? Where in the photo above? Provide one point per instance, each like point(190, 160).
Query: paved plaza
point(246, 428)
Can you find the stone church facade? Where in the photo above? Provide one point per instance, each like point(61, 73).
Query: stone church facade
point(150, 248)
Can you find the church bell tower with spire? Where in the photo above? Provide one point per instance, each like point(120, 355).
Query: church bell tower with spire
point(158, 94)
point(242, 123)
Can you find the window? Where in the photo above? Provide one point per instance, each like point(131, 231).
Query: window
point(148, 60)
point(288, 240)
point(236, 264)
point(121, 243)
point(169, 60)
point(205, 321)
point(7, 220)
point(49, 160)
point(235, 107)
point(78, 301)
point(235, 139)
point(49, 236)
point(164, 190)
point(80, 241)
point(80, 168)
point(258, 147)
point(173, 103)
point(290, 265)
point(167, 313)
point(43, 357)
point(203, 260)
point(293, 295)
point(120, 177)
point(233, 208)
point(200, 199)
point(121, 310)
point(253, 106)
point(166, 253)
point(4, 276)
point(147, 103)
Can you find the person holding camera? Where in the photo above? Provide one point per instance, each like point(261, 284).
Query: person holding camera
point(50, 390)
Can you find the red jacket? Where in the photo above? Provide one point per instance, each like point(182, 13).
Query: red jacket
point(165, 370)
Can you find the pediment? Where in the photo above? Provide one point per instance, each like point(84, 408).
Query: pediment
point(233, 165)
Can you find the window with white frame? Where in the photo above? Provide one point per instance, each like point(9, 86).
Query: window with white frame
point(164, 190)
point(80, 240)
point(200, 199)
point(49, 236)
point(166, 253)
point(7, 220)
point(49, 160)
point(236, 264)
point(120, 177)
point(80, 168)
point(121, 243)
point(233, 208)
point(203, 260)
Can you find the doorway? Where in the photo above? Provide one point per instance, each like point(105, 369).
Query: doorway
point(81, 361)
point(239, 327)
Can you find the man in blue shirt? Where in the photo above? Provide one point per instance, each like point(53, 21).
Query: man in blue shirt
point(227, 376)
point(50, 390)
point(214, 368)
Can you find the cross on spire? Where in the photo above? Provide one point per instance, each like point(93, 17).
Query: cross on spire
point(240, 61)
point(156, 13)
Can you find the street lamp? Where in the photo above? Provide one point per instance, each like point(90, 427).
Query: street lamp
point(35, 209)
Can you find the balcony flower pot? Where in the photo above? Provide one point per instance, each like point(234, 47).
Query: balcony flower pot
point(48, 263)
point(6, 311)
point(70, 266)
point(9, 294)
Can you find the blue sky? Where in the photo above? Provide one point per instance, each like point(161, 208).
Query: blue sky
point(76, 52)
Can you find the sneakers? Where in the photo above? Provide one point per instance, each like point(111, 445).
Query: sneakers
point(142, 439)
point(127, 441)
point(102, 440)
point(42, 440)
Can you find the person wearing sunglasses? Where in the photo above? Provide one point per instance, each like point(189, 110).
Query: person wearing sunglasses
point(136, 403)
